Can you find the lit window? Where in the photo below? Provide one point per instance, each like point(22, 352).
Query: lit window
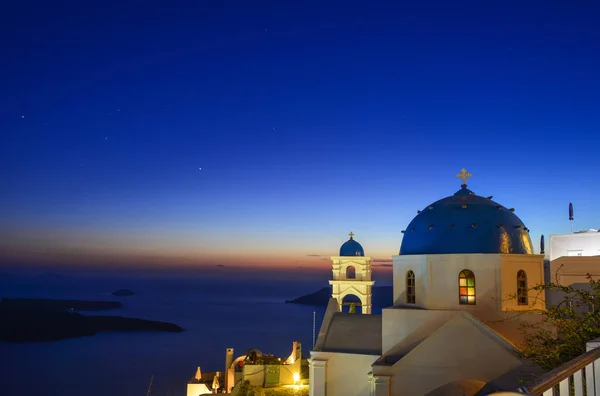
point(522, 297)
point(410, 287)
point(466, 288)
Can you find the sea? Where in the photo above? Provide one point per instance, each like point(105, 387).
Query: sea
point(216, 313)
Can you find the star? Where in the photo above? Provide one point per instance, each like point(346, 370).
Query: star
point(199, 168)
point(106, 138)
point(22, 116)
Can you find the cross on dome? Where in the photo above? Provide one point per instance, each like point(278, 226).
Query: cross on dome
point(351, 234)
point(464, 176)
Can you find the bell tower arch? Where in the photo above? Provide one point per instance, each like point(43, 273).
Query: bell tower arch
point(352, 275)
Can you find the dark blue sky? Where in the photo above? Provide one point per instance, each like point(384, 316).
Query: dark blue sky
point(308, 119)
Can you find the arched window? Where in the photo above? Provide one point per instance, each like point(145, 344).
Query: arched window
point(350, 273)
point(522, 297)
point(466, 288)
point(410, 287)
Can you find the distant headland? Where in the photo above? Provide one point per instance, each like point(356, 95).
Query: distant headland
point(23, 320)
point(382, 297)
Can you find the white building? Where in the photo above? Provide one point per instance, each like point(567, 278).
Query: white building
point(200, 385)
point(582, 243)
point(573, 258)
point(465, 265)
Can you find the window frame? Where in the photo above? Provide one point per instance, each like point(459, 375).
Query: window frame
point(522, 292)
point(410, 282)
point(467, 291)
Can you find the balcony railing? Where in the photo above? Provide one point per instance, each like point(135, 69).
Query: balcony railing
point(579, 377)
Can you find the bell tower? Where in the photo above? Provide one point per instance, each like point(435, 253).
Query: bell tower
point(352, 275)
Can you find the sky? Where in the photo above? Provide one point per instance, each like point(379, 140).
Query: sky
point(259, 134)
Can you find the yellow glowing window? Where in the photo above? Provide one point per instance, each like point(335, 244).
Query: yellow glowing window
point(410, 287)
point(466, 288)
point(522, 297)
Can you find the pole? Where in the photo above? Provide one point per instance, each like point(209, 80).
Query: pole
point(314, 326)
point(150, 387)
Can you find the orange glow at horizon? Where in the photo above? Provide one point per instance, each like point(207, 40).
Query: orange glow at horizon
point(72, 248)
point(83, 257)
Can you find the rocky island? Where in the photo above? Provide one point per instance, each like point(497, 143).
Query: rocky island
point(24, 320)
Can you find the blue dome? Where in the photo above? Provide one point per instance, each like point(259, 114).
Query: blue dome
point(351, 248)
point(466, 223)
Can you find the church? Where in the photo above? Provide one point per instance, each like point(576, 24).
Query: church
point(464, 269)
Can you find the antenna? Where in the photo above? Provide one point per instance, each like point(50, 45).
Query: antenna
point(150, 386)
point(314, 326)
point(571, 215)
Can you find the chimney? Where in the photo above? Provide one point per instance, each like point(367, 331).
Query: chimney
point(294, 355)
point(228, 375)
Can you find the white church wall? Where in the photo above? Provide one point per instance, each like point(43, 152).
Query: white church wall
point(533, 265)
point(454, 355)
point(401, 266)
point(437, 280)
point(509, 325)
point(403, 328)
point(577, 244)
point(347, 373)
point(444, 269)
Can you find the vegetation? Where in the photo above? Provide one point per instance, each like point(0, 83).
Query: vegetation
point(565, 327)
point(289, 390)
point(251, 390)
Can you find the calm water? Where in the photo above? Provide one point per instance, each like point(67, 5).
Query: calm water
point(216, 314)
